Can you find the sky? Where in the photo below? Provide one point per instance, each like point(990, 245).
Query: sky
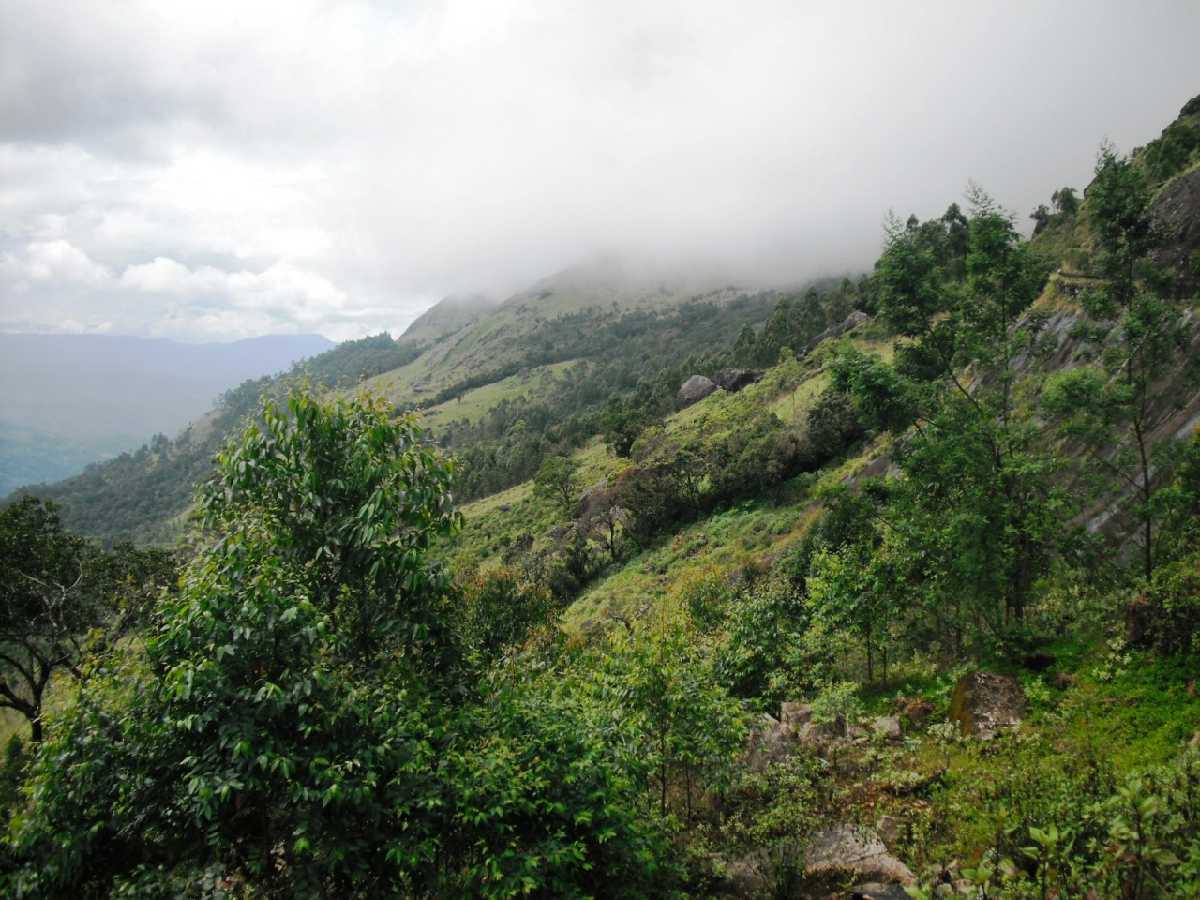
point(218, 170)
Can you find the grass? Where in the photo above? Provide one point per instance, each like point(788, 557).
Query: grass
point(742, 534)
point(477, 403)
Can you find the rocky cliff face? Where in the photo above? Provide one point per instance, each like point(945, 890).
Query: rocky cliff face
point(1176, 214)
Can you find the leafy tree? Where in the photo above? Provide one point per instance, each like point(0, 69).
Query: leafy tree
point(1150, 331)
point(977, 508)
point(59, 596)
point(298, 722)
point(1065, 202)
point(500, 609)
point(686, 726)
point(557, 480)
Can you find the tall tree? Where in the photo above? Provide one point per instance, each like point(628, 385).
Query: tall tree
point(1125, 409)
point(60, 595)
point(976, 499)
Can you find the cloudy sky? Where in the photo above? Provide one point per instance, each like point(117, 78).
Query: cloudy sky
point(217, 170)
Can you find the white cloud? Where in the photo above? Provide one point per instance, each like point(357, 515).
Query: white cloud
point(231, 168)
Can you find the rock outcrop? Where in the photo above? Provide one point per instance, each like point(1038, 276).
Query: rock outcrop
point(733, 380)
point(856, 318)
point(888, 728)
point(856, 851)
point(1176, 215)
point(985, 704)
point(695, 389)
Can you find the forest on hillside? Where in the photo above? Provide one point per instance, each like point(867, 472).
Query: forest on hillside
point(904, 602)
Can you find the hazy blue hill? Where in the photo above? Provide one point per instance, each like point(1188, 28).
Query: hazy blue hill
point(29, 456)
point(99, 386)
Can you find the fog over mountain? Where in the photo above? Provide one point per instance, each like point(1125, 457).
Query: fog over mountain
point(229, 169)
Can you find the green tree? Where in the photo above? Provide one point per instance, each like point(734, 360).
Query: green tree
point(977, 507)
point(61, 596)
point(1150, 332)
point(298, 721)
point(557, 480)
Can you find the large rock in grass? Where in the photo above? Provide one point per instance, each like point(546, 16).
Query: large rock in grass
point(985, 704)
point(769, 741)
point(794, 715)
point(695, 389)
point(733, 380)
point(849, 850)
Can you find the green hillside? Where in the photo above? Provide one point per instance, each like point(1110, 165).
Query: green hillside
point(884, 587)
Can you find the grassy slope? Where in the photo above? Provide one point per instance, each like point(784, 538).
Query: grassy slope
point(477, 403)
point(501, 337)
point(732, 537)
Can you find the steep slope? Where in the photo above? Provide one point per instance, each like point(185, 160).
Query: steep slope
point(530, 324)
point(464, 359)
point(444, 318)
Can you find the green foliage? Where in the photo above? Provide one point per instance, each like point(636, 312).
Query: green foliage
point(763, 654)
point(59, 597)
point(684, 725)
point(499, 610)
point(557, 480)
point(293, 727)
point(976, 516)
point(1124, 410)
point(837, 705)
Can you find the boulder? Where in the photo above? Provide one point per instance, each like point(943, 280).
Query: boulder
point(857, 851)
point(748, 876)
point(767, 742)
point(596, 499)
point(915, 709)
point(888, 728)
point(695, 389)
point(985, 704)
point(856, 318)
point(875, 890)
point(733, 380)
point(888, 829)
point(793, 714)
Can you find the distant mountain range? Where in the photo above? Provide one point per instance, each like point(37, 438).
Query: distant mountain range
point(67, 400)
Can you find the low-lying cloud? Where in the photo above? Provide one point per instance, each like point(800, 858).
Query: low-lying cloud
point(228, 169)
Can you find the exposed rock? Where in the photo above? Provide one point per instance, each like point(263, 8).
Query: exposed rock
point(793, 714)
point(595, 499)
point(856, 318)
point(888, 829)
point(1063, 680)
point(888, 728)
point(985, 703)
point(1176, 214)
point(876, 890)
point(747, 877)
point(733, 380)
point(855, 851)
point(695, 389)
point(769, 741)
point(915, 709)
